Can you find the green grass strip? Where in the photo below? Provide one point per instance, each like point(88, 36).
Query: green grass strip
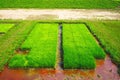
point(80, 47)
point(42, 43)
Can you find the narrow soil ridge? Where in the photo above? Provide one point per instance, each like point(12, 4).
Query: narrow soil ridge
point(59, 14)
point(59, 62)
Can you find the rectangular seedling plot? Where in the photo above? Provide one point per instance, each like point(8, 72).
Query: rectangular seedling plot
point(80, 47)
point(42, 43)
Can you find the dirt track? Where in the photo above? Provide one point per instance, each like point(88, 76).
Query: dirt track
point(59, 14)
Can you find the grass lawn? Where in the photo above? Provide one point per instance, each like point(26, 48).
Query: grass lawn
point(80, 4)
point(80, 47)
point(42, 43)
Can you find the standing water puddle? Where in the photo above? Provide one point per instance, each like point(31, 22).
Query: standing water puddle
point(105, 70)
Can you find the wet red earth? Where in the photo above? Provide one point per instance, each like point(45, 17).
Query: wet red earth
point(105, 70)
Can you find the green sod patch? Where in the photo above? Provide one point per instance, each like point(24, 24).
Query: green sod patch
point(80, 48)
point(5, 27)
point(42, 43)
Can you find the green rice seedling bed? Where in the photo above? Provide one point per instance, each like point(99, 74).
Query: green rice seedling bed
point(80, 47)
point(42, 43)
point(5, 27)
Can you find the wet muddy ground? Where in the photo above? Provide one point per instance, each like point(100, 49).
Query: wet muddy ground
point(105, 70)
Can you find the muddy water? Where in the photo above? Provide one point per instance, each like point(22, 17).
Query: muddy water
point(105, 70)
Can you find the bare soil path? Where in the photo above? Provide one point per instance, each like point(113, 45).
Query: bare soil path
point(59, 14)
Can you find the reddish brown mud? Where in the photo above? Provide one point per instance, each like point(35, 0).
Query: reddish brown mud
point(20, 51)
point(105, 70)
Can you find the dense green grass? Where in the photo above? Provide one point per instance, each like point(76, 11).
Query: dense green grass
point(80, 47)
point(5, 27)
point(109, 35)
point(42, 43)
point(84, 4)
